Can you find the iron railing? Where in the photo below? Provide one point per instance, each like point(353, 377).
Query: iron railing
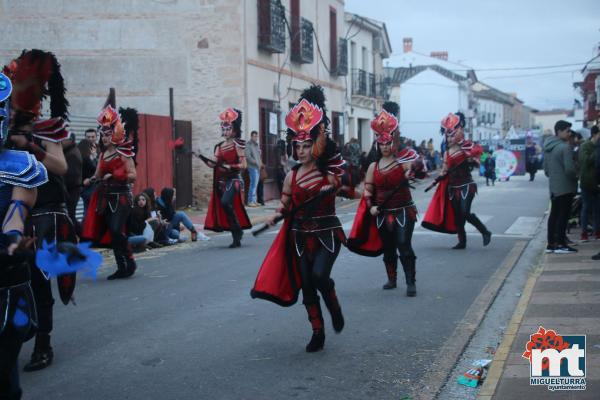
point(271, 26)
point(342, 59)
point(303, 49)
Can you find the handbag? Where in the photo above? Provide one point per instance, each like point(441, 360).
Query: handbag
point(148, 233)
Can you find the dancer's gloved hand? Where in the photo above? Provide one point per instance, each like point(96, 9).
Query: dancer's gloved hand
point(374, 210)
point(15, 249)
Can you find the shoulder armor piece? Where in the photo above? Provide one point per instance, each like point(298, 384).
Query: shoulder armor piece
point(19, 168)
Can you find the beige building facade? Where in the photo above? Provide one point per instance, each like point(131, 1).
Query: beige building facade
point(213, 53)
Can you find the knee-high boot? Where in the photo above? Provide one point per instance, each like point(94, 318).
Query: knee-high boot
point(476, 222)
point(333, 305)
point(410, 272)
point(130, 263)
point(391, 268)
point(121, 260)
point(315, 317)
point(236, 230)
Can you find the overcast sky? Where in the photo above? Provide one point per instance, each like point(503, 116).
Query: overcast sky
point(499, 34)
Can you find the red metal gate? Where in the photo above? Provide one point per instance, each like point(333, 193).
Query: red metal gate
point(155, 157)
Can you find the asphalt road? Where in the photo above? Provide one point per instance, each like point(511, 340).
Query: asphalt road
point(185, 326)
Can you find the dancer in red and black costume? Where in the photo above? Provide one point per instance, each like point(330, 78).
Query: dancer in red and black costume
point(36, 75)
point(304, 251)
point(386, 215)
point(226, 210)
point(106, 220)
point(450, 207)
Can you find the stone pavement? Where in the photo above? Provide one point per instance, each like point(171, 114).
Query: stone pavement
point(562, 294)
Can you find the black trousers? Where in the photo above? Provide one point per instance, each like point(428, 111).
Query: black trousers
point(11, 342)
point(463, 214)
point(115, 223)
point(559, 218)
point(315, 269)
point(396, 240)
point(229, 190)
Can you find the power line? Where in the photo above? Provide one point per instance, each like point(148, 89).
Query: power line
point(529, 75)
point(523, 68)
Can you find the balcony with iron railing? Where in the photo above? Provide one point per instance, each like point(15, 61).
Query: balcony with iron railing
point(271, 26)
point(367, 84)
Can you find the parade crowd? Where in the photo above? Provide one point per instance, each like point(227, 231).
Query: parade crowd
point(44, 173)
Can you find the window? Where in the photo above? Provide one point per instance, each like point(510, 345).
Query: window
point(333, 43)
point(271, 26)
point(337, 128)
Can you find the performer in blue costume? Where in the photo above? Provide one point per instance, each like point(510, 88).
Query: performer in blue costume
point(20, 175)
point(35, 75)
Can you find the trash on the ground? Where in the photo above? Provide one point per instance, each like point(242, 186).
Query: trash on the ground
point(471, 378)
point(483, 363)
point(490, 350)
point(475, 374)
point(518, 294)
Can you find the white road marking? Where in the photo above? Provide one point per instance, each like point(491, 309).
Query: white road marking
point(524, 226)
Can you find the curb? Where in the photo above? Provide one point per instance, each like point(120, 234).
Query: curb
point(497, 368)
point(431, 384)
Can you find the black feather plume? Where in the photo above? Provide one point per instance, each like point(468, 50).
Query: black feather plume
point(130, 119)
point(392, 107)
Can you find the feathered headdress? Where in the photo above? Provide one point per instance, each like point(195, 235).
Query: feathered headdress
point(110, 123)
point(233, 117)
point(392, 107)
point(384, 126)
point(35, 76)
point(452, 122)
point(131, 122)
point(307, 120)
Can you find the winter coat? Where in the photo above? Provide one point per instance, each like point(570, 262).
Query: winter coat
point(559, 166)
point(253, 154)
point(587, 165)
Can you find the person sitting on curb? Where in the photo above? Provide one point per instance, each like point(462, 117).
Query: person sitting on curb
point(144, 229)
point(164, 205)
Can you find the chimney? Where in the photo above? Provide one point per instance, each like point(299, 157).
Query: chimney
point(407, 42)
point(442, 55)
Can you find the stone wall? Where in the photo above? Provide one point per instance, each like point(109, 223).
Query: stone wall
point(141, 48)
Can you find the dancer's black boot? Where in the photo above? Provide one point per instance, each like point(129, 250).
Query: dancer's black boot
point(121, 260)
point(333, 305)
point(462, 242)
point(317, 341)
point(42, 354)
point(476, 222)
point(409, 266)
point(391, 268)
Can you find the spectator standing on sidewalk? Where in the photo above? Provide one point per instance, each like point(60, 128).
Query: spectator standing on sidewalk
point(559, 167)
point(73, 176)
point(590, 192)
point(89, 162)
point(254, 163)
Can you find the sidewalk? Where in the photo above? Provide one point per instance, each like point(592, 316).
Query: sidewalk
point(563, 294)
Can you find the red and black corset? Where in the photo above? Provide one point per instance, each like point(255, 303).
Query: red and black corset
point(400, 206)
point(316, 224)
point(226, 153)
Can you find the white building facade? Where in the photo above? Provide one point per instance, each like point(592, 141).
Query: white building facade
point(368, 45)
